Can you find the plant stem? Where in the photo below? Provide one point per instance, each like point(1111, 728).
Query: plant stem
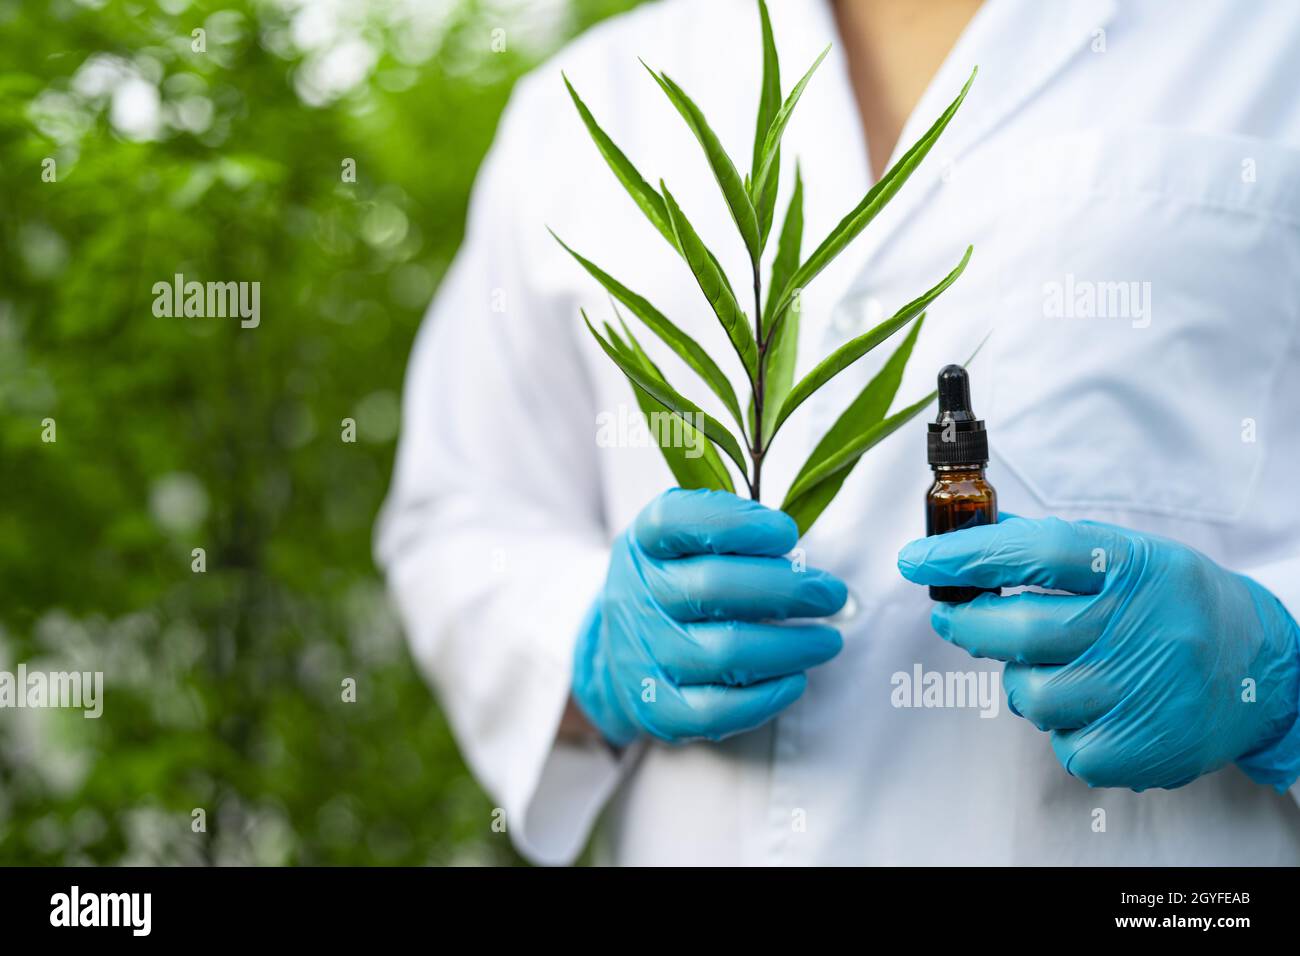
point(757, 450)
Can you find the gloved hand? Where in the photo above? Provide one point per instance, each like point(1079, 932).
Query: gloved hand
point(678, 645)
point(1160, 667)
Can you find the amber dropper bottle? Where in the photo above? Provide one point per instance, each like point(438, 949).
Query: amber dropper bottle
point(958, 448)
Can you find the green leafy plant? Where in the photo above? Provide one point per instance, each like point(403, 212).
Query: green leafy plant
point(766, 348)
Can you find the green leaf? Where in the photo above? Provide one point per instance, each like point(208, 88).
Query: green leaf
point(867, 409)
point(846, 442)
point(783, 352)
point(670, 399)
point(765, 205)
point(850, 453)
point(724, 170)
point(642, 192)
point(772, 143)
point(769, 103)
point(686, 347)
point(875, 200)
point(853, 350)
point(651, 203)
point(703, 471)
point(714, 287)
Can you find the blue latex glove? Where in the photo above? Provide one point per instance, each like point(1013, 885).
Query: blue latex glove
point(677, 644)
point(1139, 673)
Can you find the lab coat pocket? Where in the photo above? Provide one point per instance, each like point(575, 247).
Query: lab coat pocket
point(1148, 302)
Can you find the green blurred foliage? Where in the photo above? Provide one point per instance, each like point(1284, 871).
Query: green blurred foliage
point(223, 688)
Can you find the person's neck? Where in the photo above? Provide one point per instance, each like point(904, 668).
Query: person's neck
point(894, 48)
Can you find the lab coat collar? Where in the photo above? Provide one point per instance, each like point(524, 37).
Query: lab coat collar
point(995, 40)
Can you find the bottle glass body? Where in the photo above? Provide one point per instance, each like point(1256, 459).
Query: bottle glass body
point(959, 498)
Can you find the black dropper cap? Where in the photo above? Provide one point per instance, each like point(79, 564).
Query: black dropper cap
point(956, 437)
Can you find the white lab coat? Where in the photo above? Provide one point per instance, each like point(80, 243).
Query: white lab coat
point(1146, 142)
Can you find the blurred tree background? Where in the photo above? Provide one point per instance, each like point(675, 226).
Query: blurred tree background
point(139, 140)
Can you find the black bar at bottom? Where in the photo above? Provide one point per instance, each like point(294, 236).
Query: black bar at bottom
point(332, 906)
